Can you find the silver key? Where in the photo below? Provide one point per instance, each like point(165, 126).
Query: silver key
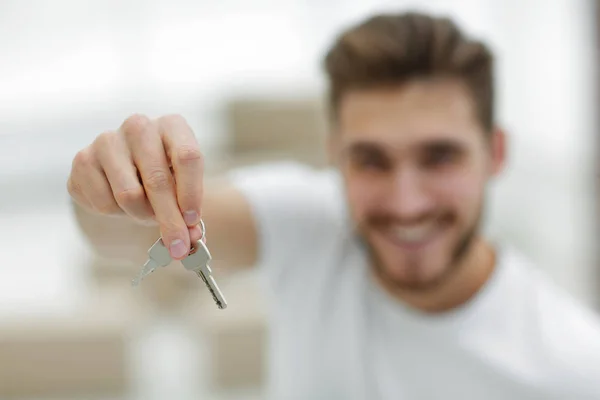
point(158, 256)
point(198, 261)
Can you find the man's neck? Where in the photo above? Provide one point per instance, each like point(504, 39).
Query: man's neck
point(458, 288)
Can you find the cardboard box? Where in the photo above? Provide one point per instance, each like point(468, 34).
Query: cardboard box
point(284, 128)
point(81, 354)
point(61, 357)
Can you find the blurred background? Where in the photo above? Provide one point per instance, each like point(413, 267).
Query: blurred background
point(246, 75)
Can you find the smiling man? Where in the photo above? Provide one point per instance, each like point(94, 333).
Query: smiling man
point(415, 159)
point(381, 283)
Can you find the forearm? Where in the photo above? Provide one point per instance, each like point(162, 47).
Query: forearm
point(231, 230)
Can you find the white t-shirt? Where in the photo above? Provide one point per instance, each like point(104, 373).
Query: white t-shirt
point(335, 334)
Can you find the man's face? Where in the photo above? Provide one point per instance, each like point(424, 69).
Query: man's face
point(415, 164)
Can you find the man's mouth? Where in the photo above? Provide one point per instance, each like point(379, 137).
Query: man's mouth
point(411, 237)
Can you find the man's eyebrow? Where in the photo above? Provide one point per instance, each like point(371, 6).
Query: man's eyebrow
point(364, 147)
point(442, 144)
point(360, 147)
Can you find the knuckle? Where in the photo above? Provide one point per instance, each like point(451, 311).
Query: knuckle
point(158, 180)
point(105, 139)
point(188, 154)
point(174, 119)
point(83, 159)
point(74, 188)
point(129, 197)
point(136, 125)
point(107, 207)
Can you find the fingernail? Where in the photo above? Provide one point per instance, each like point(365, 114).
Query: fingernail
point(177, 248)
point(190, 217)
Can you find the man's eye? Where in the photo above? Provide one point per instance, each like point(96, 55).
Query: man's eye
point(437, 157)
point(370, 161)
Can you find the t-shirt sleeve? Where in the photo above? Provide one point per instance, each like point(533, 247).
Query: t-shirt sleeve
point(296, 209)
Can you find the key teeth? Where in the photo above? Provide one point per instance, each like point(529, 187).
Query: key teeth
point(214, 296)
point(136, 281)
point(221, 305)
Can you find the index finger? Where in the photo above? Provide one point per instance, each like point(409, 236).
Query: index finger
point(149, 156)
point(188, 165)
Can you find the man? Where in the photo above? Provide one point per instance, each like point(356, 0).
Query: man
point(382, 285)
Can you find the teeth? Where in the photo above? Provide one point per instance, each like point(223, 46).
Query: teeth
point(412, 234)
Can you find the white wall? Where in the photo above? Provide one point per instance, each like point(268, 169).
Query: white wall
point(72, 69)
point(547, 84)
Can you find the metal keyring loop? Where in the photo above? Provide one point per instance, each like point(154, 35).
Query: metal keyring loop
point(194, 246)
point(203, 229)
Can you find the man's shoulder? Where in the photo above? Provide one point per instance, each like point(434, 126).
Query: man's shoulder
point(546, 289)
point(565, 330)
point(571, 333)
point(300, 212)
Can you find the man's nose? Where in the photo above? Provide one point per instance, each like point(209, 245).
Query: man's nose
point(408, 197)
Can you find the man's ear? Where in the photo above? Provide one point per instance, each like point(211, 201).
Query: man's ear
point(498, 151)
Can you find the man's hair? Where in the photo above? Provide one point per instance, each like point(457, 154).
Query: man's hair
point(391, 49)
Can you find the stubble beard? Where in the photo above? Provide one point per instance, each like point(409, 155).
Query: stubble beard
point(458, 254)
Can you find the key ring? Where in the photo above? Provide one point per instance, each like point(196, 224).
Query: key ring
point(203, 229)
point(194, 247)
